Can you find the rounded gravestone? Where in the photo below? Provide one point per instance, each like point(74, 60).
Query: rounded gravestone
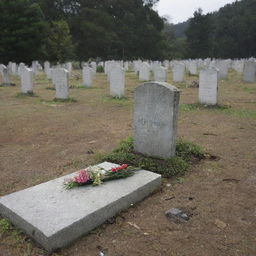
point(155, 119)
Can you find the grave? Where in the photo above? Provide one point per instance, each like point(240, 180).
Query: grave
point(208, 86)
point(117, 81)
point(6, 81)
point(155, 119)
point(223, 67)
point(60, 78)
point(160, 74)
point(26, 80)
point(87, 76)
point(55, 217)
point(144, 72)
point(249, 71)
point(178, 72)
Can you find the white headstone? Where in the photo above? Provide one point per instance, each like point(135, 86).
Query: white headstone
point(208, 86)
point(26, 80)
point(155, 119)
point(144, 72)
point(61, 81)
point(87, 76)
point(160, 74)
point(117, 82)
point(178, 72)
point(249, 71)
point(5, 75)
point(223, 67)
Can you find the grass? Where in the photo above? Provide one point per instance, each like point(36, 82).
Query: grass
point(121, 101)
point(186, 154)
point(68, 100)
point(243, 113)
point(24, 95)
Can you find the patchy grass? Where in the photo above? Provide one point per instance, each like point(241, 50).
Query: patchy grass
point(121, 101)
point(24, 95)
point(68, 100)
point(243, 113)
point(50, 88)
point(186, 154)
point(5, 226)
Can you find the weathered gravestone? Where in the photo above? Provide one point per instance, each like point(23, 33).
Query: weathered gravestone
point(117, 81)
point(87, 76)
point(223, 67)
point(26, 80)
point(160, 74)
point(155, 119)
point(178, 72)
point(192, 67)
point(208, 86)
point(144, 72)
point(6, 81)
point(55, 217)
point(249, 71)
point(61, 82)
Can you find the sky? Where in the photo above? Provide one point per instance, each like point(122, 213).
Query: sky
point(181, 10)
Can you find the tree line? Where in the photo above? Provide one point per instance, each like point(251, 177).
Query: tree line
point(227, 33)
point(61, 30)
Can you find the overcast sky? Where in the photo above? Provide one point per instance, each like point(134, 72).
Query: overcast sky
point(181, 10)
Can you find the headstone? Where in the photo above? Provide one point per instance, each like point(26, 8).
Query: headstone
point(21, 68)
point(14, 68)
point(56, 217)
point(35, 66)
point(26, 80)
point(69, 67)
point(178, 72)
point(144, 72)
point(160, 74)
point(208, 86)
point(6, 81)
point(223, 67)
point(61, 77)
point(87, 76)
point(155, 119)
point(117, 82)
point(249, 71)
point(192, 67)
point(47, 67)
point(94, 67)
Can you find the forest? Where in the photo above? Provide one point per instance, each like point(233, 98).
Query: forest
point(61, 30)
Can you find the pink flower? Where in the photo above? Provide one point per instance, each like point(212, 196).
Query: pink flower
point(82, 177)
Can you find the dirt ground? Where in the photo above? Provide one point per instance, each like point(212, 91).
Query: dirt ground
point(41, 140)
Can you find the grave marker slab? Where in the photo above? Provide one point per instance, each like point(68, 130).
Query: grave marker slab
point(208, 86)
point(26, 80)
point(87, 76)
point(60, 79)
point(155, 119)
point(249, 71)
point(55, 217)
point(117, 81)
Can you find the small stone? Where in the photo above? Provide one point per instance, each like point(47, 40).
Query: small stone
point(177, 215)
point(220, 224)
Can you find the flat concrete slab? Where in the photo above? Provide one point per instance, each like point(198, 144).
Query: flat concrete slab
point(55, 217)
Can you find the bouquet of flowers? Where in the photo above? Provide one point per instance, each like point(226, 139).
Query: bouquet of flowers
point(95, 175)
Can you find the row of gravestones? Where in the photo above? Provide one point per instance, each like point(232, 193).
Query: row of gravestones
point(116, 75)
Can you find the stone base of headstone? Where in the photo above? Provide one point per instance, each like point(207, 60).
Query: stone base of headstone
point(55, 217)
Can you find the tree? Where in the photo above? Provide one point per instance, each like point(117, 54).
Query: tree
point(59, 46)
point(22, 31)
point(198, 35)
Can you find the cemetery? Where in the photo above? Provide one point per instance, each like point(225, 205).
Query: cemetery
point(185, 141)
point(128, 128)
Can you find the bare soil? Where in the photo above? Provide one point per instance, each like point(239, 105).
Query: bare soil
point(41, 140)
